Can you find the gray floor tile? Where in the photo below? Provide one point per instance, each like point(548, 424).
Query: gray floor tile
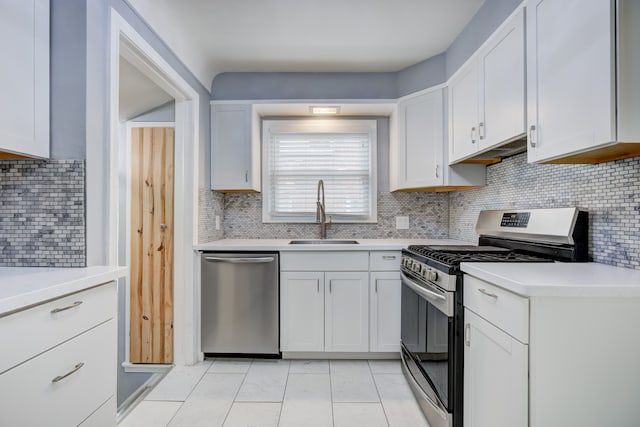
point(306, 414)
point(398, 401)
point(252, 414)
point(308, 387)
point(265, 382)
point(179, 382)
point(351, 381)
point(151, 414)
point(209, 403)
point(358, 414)
point(309, 367)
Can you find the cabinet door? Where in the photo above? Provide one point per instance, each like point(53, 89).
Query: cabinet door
point(346, 311)
point(302, 311)
point(24, 77)
point(502, 88)
point(569, 76)
point(463, 114)
point(385, 288)
point(231, 150)
point(421, 143)
point(495, 376)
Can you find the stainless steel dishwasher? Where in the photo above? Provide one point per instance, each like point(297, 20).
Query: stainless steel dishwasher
point(240, 304)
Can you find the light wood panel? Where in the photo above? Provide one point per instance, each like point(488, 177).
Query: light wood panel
point(151, 284)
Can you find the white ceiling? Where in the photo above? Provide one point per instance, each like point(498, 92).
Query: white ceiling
point(215, 36)
point(138, 94)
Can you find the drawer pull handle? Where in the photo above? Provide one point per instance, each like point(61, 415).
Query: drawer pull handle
point(73, 371)
point(489, 294)
point(69, 307)
point(388, 257)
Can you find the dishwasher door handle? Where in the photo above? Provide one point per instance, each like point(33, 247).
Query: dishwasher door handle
point(241, 260)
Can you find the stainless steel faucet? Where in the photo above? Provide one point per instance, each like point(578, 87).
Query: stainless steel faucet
point(321, 215)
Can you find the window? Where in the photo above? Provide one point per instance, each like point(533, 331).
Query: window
point(299, 153)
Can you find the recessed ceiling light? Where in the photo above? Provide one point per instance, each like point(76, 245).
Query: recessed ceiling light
point(324, 110)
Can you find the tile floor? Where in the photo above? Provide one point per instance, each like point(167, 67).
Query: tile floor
point(265, 393)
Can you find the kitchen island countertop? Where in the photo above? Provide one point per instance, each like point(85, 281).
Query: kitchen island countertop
point(23, 287)
point(559, 279)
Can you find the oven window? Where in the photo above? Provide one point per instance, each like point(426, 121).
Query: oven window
point(427, 334)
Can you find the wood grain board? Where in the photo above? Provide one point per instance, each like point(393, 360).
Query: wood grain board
point(151, 283)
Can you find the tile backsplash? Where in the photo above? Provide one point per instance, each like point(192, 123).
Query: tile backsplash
point(428, 218)
point(210, 204)
point(42, 213)
point(610, 192)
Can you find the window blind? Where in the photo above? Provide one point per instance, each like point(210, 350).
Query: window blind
point(298, 160)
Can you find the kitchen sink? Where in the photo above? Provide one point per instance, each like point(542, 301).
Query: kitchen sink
point(323, 242)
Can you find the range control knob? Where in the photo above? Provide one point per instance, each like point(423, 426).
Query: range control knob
point(432, 275)
point(416, 267)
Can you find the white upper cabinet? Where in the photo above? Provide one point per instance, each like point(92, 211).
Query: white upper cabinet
point(463, 113)
point(501, 92)
point(235, 147)
point(418, 152)
point(418, 147)
point(24, 78)
point(583, 89)
point(487, 95)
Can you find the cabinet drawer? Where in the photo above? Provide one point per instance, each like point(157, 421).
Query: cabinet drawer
point(30, 397)
point(29, 332)
point(324, 261)
point(385, 260)
point(502, 308)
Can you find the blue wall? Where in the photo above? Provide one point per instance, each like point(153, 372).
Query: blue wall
point(430, 72)
point(305, 86)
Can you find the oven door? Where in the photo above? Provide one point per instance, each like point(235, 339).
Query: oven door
point(428, 342)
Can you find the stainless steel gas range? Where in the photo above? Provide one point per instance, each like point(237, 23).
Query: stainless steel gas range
point(432, 295)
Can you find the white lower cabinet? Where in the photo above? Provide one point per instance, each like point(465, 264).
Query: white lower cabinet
point(62, 370)
point(549, 361)
point(385, 291)
point(331, 302)
point(495, 376)
point(346, 311)
point(302, 311)
point(324, 311)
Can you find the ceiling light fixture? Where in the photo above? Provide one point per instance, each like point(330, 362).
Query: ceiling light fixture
point(324, 110)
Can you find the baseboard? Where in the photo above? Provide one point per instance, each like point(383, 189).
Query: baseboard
point(147, 368)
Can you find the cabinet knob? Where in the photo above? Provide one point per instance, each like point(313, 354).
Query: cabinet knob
point(473, 135)
point(481, 130)
point(246, 176)
point(437, 171)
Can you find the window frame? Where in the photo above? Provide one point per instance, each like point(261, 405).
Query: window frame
point(275, 126)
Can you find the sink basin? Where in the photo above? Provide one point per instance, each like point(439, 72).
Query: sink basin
point(323, 242)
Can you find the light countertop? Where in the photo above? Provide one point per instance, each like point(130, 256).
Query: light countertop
point(283, 245)
point(22, 287)
point(559, 279)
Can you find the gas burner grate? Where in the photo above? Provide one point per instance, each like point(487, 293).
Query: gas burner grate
point(455, 258)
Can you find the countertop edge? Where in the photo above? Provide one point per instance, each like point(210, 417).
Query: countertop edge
point(284, 246)
point(85, 278)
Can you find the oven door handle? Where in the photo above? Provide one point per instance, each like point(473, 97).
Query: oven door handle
point(420, 290)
